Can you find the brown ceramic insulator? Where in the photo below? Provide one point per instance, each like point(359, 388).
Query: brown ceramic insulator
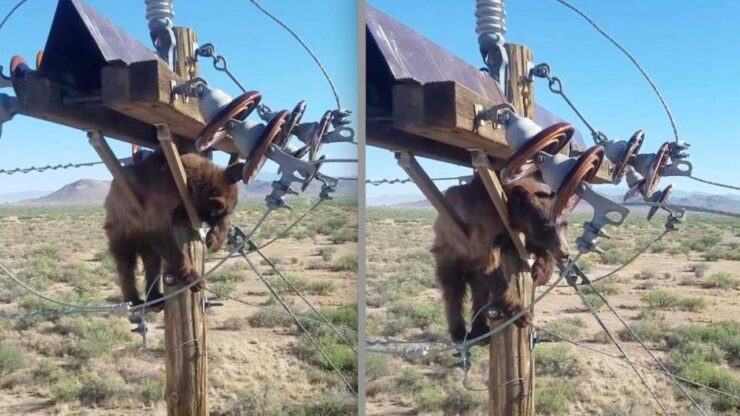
point(584, 170)
point(652, 178)
point(238, 109)
point(308, 180)
point(39, 58)
point(633, 146)
point(268, 137)
point(295, 118)
point(662, 199)
point(318, 138)
point(18, 66)
point(550, 140)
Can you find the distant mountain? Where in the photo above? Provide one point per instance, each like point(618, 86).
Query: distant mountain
point(89, 191)
point(19, 196)
point(84, 191)
point(727, 203)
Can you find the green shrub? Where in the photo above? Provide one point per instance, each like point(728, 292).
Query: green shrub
point(326, 253)
point(721, 281)
point(151, 390)
point(429, 399)
point(568, 327)
point(101, 389)
point(65, 389)
point(270, 319)
point(649, 328)
point(557, 360)
point(553, 396)
point(11, 359)
point(662, 299)
point(376, 366)
point(345, 263)
point(725, 335)
point(418, 315)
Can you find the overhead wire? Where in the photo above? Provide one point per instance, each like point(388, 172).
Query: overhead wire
point(645, 347)
point(620, 358)
point(299, 323)
point(611, 336)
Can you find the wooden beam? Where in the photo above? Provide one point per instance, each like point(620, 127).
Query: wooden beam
point(407, 161)
point(114, 166)
point(498, 198)
point(185, 327)
point(446, 112)
point(511, 367)
point(43, 98)
point(178, 172)
point(143, 91)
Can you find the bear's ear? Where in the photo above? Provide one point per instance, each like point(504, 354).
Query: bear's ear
point(233, 173)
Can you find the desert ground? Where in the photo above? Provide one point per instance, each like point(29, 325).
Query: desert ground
point(681, 297)
point(259, 363)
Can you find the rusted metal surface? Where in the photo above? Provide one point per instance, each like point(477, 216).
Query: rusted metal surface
point(410, 56)
point(81, 41)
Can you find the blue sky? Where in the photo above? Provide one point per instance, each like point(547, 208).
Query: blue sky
point(690, 49)
point(263, 56)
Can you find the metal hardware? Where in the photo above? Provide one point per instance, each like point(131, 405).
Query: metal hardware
point(160, 13)
point(605, 211)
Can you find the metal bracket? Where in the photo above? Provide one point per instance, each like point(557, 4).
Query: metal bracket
point(5, 82)
point(498, 197)
point(178, 172)
point(679, 167)
point(603, 209)
point(291, 170)
point(8, 109)
point(341, 134)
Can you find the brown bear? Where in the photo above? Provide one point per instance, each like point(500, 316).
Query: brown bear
point(475, 260)
point(151, 232)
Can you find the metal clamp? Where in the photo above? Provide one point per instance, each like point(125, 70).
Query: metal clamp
point(292, 170)
point(8, 109)
point(604, 211)
point(5, 82)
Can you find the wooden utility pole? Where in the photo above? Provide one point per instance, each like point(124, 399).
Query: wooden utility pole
point(185, 328)
point(511, 368)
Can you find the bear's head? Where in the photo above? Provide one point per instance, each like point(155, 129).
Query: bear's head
point(529, 212)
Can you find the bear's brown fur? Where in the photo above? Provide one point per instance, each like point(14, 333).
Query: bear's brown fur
point(152, 231)
point(476, 260)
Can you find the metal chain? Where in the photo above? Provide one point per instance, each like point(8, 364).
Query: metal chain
point(406, 180)
point(48, 167)
point(556, 87)
point(632, 59)
point(208, 50)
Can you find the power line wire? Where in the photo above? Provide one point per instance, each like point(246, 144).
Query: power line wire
point(617, 357)
point(645, 347)
point(611, 336)
point(722, 185)
point(298, 322)
point(306, 47)
point(631, 58)
point(310, 305)
point(10, 13)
